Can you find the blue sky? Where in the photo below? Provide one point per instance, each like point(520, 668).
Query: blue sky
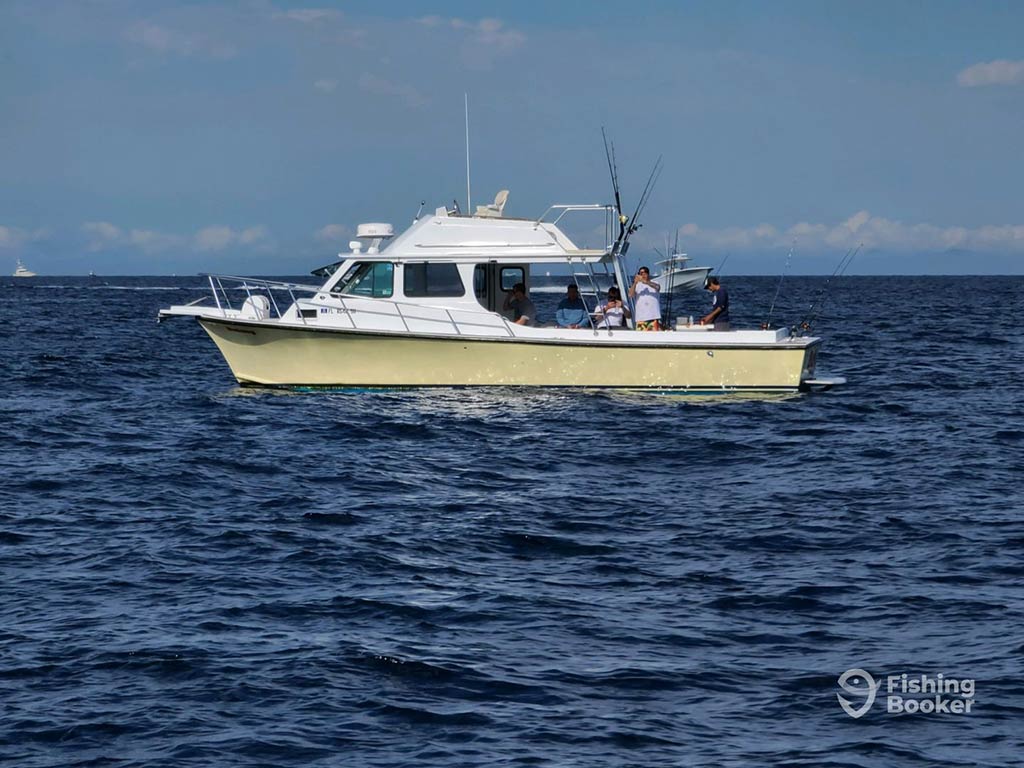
point(176, 137)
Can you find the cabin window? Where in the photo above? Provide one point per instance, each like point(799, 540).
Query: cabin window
point(375, 279)
point(510, 276)
point(433, 280)
point(480, 281)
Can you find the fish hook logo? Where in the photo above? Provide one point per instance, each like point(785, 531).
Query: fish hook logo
point(859, 682)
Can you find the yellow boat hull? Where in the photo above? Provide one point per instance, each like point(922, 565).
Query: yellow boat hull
point(282, 356)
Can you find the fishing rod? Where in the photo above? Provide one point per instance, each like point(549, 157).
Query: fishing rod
point(627, 225)
point(818, 305)
point(721, 266)
point(613, 170)
point(644, 197)
point(771, 310)
point(670, 266)
point(812, 308)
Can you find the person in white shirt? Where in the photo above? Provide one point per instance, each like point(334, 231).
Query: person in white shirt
point(646, 297)
point(613, 313)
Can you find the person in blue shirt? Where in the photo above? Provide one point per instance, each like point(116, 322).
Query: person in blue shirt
point(572, 312)
point(719, 314)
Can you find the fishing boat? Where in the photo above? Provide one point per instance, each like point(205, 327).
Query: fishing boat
point(675, 276)
point(22, 271)
point(427, 308)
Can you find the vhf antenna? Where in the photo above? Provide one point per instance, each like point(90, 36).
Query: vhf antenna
point(469, 199)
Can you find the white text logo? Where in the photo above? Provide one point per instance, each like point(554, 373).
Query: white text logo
point(907, 694)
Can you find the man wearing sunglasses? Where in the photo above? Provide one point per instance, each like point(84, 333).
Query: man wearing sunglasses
point(646, 297)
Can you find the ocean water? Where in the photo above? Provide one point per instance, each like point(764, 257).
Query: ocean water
point(193, 573)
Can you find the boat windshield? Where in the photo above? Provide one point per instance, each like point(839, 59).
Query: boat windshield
point(375, 279)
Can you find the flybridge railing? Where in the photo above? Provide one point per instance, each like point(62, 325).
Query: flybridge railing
point(222, 299)
point(580, 261)
point(609, 219)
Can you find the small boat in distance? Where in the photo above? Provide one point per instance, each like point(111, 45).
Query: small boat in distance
point(22, 271)
point(675, 276)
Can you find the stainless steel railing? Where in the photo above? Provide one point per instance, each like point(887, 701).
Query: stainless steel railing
point(221, 294)
point(249, 284)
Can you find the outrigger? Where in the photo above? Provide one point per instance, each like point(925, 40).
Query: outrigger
point(424, 308)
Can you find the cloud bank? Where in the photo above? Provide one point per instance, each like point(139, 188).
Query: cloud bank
point(309, 15)
point(104, 236)
point(875, 232)
point(999, 72)
point(333, 233)
point(12, 237)
point(167, 41)
point(220, 237)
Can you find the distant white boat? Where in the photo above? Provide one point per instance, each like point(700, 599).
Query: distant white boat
point(22, 271)
point(675, 276)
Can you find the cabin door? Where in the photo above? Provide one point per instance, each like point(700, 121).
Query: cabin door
point(492, 281)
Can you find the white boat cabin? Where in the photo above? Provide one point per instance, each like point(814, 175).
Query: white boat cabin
point(460, 262)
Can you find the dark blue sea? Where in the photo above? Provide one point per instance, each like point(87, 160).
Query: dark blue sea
point(197, 574)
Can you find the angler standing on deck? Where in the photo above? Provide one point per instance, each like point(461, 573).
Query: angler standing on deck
point(719, 314)
point(646, 296)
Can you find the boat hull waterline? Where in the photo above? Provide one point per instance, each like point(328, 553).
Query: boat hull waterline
point(265, 355)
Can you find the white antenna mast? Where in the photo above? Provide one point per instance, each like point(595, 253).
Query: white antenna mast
point(469, 199)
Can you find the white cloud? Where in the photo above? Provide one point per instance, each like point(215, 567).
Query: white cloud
point(488, 31)
point(999, 72)
point(164, 40)
point(252, 235)
point(8, 237)
point(333, 232)
point(13, 237)
point(309, 15)
point(493, 32)
point(325, 20)
point(148, 240)
point(873, 231)
point(327, 86)
point(103, 236)
point(217, 238)
point(381, 87)
point(484, 39)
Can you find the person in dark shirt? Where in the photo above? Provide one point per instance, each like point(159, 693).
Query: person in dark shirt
point(719, 314)
point(516, 301)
